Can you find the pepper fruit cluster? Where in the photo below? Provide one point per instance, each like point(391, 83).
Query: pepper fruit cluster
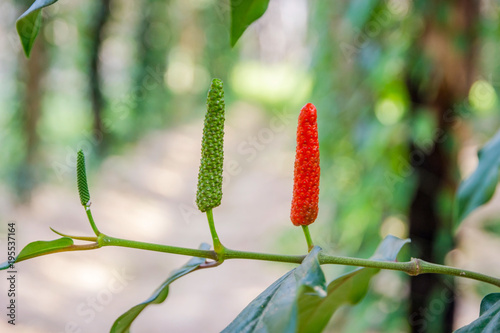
point(306, 169)
point(209, 194)
point(81, 177)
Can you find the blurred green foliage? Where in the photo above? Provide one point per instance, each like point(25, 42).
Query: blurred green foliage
point(157, 59)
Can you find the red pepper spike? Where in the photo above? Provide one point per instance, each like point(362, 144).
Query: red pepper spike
point(306, 171)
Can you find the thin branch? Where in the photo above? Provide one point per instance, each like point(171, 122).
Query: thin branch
point(412, 267)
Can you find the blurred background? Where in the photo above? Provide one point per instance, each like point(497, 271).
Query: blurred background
point(406, 93)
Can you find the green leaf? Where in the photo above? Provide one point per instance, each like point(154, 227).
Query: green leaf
point(488, 301)
point(39, 248)
point(244, 13)
point(489, 317)
point(28, 25)
point(122, 324)
point(275, 310)
point(315, 312)
point(480, 186)
point(299, 300)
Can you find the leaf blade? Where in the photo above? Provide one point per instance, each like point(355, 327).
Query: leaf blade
point(291, 301)
point(122, 324)
point(479, 188)
point(489, 318)
point(315, 312)
point(244, 13)
point(29, 23)
point(274, 310)
point(38, 248)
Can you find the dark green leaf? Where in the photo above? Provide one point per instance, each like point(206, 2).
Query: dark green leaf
point(299, 301)
point(489, 317)
point(28, 25)
point(315, 312)
point(38, 248)
point(275, 310)
point(244, 13)
point(480, 186)
point(122, 324)
point(488, 301)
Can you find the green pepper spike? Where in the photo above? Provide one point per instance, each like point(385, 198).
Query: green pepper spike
point(209, 194)
point(81, 176)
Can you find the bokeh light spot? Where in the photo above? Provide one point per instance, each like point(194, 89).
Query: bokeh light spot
point(389, 111)
point(482, 96)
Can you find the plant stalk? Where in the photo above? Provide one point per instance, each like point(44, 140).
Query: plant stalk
point(112, 241)
point(91, 220)
point(413, 267)
point(218, 247)
point(309, 241)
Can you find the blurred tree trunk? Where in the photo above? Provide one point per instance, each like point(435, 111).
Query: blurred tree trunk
point(439, 78)
point(30, 115)
point(102, 14)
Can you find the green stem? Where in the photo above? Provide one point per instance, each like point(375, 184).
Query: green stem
point(91, 220)
point(427, 267)
point(310, 244)
point(412, 267)
point(235, 254)
point(218, 247)
point(112, 241)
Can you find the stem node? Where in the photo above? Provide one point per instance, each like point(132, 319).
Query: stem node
point(415, 267)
